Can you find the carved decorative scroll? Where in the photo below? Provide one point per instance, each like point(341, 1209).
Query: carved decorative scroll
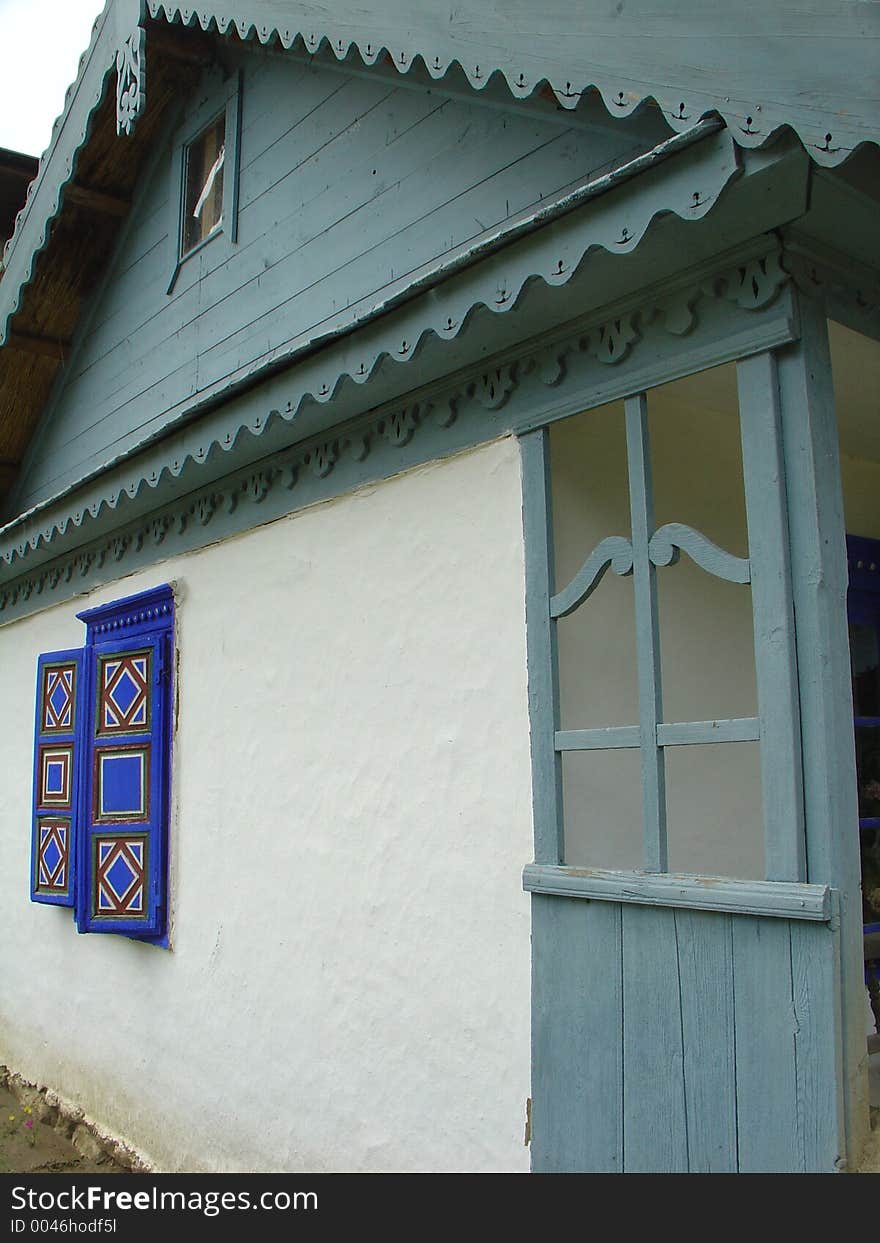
point(131, 80)
point(615, 551)
point(667, 542)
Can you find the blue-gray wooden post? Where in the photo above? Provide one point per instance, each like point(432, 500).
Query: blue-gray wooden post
point(819, 578)
point(773, 618)
point(647, 634)
point(541, 647)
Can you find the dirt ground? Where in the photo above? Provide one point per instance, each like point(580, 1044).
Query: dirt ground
point(31, 1147)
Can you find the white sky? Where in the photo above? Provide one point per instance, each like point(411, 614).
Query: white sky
point(41, 42)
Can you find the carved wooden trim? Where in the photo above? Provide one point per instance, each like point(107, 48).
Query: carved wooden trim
point(675, 537)
point(382, 434)
point(828, 138)
point(131, 80)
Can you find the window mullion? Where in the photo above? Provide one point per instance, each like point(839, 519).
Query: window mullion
point(542, 649)
point(647, 635)
point(773, 615)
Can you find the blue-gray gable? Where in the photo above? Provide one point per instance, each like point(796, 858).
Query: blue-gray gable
point(348, 182)
point(811, 64)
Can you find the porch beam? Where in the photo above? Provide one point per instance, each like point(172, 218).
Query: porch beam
point(819, 578)
point(97, 200)
point(541, 646)
point(784, 900)
point(30, 343)
point(773, 617)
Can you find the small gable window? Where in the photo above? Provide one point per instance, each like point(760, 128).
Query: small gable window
point(203, 197)
point(102, 768)
point(203, 194)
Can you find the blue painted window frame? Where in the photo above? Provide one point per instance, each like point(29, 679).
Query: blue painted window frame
point(222, 98)
point(135, 842)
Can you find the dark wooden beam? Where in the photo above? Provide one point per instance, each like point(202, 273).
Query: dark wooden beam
point(172, 42)
point(50, 347)
point(96, 200)
point(16, 164)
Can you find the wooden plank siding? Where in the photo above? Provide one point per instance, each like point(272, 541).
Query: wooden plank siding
point(681, 1041)
point(346, 183)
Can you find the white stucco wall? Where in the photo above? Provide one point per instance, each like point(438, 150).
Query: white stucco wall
point(349, 982)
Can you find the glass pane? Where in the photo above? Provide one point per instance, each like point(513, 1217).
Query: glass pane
point(203, 192)
point(602, 801)
point(706, 629)
point(714, 815)
point(597, 653)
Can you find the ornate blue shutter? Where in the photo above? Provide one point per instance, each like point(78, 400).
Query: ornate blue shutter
point(57, 736)
point(124, 804)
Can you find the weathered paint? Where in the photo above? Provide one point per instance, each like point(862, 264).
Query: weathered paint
point(754, 64)
point(352, 812)
point(787, 1076)
point(688, 1042)
point(338, 197)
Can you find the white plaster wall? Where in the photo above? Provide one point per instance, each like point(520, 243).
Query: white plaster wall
point(349, 982)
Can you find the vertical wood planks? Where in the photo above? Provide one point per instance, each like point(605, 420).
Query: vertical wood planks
point(773, 618)
point(766, 1081)
point(577, 1106)
point(647, 634)
point(705, 979)
point(655, 1115)
point(819, 576)
point(668, 1040)
point(815, 971)
point(541, 647)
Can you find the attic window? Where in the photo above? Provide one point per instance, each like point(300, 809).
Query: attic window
point(203, 179)
point(205, 157)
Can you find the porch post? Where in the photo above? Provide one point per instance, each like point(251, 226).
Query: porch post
point(819, 579)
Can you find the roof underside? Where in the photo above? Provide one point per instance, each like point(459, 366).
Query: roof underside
point(755, 65)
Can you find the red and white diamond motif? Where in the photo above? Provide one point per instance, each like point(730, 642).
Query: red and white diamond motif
point(120, 876)
point(53, 855)
point(124, 694)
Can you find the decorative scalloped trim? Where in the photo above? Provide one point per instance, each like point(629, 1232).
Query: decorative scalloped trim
point(317, 382)
point(619, 100)
point(395, 427)
point(46, 159)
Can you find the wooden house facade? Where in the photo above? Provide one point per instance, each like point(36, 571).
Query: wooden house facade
point(439, 637)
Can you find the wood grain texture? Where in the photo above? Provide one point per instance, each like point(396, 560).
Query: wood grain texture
point(773, 618)
point(346, 185)
point(815, 970)
point(614, 551)
point(705, 976)
point(541, 643)
point(724, 1049)
point(638, 456)
point(577, 1006)
point(654, 1091)
point(683, 891)
point(692, 59)
point(819, 577)
point(675, 536)
point(766, 1074)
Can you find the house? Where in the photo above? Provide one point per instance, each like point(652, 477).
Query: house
point(430, 435)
